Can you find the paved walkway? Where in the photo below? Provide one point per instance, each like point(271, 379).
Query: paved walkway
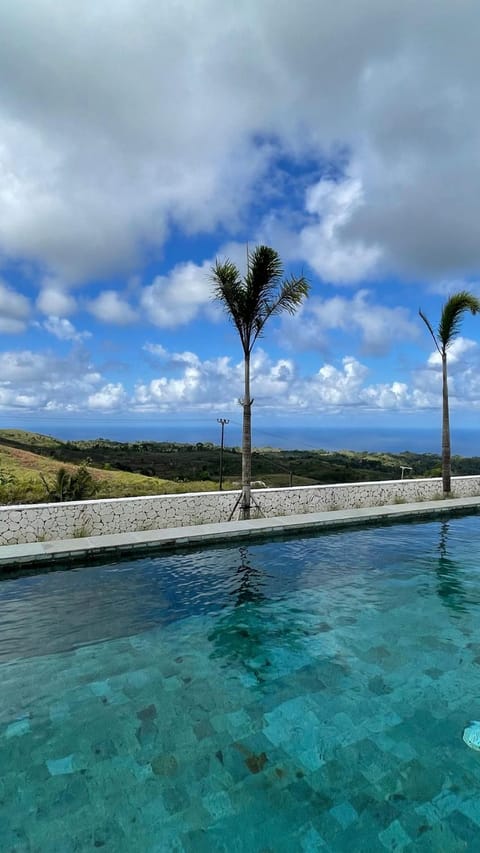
point(121, 544)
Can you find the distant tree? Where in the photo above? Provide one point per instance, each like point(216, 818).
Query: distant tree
point(249, 303)
point(448, 329)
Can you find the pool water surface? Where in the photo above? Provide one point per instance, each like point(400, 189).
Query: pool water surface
point(303, 694)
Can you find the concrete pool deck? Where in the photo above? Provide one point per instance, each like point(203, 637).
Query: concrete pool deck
point(38, 554)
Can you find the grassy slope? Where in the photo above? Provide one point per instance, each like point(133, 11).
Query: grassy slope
point(31, 438)
point(25, 467)
point(188, 463)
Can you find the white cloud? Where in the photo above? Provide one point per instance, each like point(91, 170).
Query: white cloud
point(331, 205)
point(54, 301)
point(276, 386)
point(178, 298)
point(186, 383)
point(109, 307)
point(463, 377)
point(446, 287)
point(23, 366)
point(64, 330)
point(340, 386)
point(44, 381)
point(380, 326)
point(115, 125)
point(389, 396)
point(108, 398)
point(11, 399)
point(172, 359)
point(456, 352)
point(156, 349)
point(14, 310)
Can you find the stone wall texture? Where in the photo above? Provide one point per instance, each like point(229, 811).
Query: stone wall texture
point(40, 522)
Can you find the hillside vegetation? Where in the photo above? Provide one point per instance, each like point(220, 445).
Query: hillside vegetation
point(21, 473)
point(122, 469)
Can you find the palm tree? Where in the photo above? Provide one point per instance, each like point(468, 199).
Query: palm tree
point(448, 329)
point(71, 486)
point(249, 303)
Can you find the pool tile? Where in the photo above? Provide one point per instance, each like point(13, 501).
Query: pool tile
point(345, 814)
point(61, 766)
point(471, 809)
point(394, 837)
point(18, 728)
point(315, 738)
point(311, 841)
point(218, 804)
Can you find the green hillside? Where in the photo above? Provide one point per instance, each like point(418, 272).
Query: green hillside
point(21, 473)
point(141, 468)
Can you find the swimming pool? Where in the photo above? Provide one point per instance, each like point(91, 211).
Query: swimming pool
point(306, 694)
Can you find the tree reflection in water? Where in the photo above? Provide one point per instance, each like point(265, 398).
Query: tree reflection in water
point(450, 588)
point(252, 628)
point(249, 582)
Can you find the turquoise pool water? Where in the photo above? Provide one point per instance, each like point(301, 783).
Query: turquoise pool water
point(299, 695)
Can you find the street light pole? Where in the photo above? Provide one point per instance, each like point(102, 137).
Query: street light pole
point(222, 421)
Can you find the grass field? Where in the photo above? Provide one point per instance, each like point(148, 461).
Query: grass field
point(22, 483)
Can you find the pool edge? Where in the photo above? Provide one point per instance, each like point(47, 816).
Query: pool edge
point(70, 551)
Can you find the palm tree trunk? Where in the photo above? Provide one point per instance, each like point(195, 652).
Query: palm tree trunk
point(246, 444)
point(446, 453)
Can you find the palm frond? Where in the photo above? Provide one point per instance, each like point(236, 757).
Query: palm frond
point(262, 280)
point(452, 313)
point(265, 270)
point(229, 289)
point(292, 293)
point(226, 280)
point(429, 327)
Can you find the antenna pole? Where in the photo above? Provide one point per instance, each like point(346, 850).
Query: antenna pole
point(222, 422)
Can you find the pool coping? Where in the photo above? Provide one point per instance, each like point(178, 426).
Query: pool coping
point(38, 554)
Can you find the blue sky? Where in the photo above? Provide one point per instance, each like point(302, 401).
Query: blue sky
point(140, 141)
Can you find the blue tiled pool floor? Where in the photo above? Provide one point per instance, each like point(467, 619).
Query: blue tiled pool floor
point(330, 718)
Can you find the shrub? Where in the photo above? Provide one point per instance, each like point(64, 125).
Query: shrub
point(76, 486)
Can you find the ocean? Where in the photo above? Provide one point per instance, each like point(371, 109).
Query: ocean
point(465, 442)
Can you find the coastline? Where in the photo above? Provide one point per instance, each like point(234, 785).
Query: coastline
point(465, 442)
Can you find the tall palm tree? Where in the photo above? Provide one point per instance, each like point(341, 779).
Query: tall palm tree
point(448, 329)
point(249, 303)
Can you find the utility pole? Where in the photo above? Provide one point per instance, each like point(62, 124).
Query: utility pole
point(222, 421)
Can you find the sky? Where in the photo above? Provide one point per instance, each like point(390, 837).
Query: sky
point(141, 141)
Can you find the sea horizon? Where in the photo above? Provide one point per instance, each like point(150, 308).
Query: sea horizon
point(465, 442)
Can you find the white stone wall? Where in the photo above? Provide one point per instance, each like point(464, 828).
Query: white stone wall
point(40, 522)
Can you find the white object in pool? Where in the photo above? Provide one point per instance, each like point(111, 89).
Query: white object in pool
point(471, 734)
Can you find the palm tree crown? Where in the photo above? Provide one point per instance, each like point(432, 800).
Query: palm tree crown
point(260, 295)
point(451, 317)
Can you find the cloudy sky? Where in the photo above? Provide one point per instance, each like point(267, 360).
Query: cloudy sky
point(140, 141)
